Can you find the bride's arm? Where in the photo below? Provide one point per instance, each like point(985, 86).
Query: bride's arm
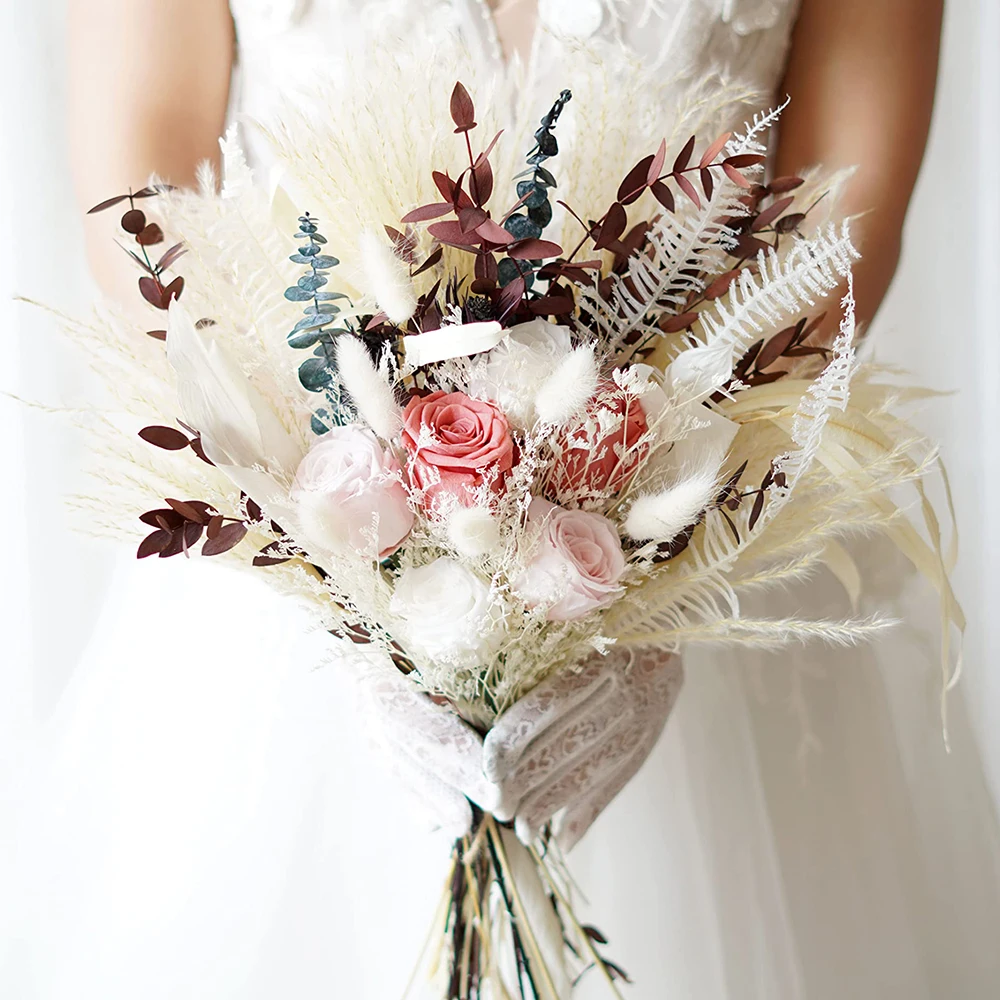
point(148, 88)
point(861, 74)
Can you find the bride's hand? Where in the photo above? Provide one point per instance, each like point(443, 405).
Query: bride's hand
point(573, 743)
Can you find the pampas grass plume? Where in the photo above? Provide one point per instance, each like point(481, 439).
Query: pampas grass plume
point(369, 389)
point(569, 388)
point(664, 515)
point(473, 531)
point(388, 279)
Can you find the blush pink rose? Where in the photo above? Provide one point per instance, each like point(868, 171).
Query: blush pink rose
point(455, 444)
point(348, 493)
point(594, 460)
point(576, 565)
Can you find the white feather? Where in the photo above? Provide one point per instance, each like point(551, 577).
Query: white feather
point(238, 427)
point(388, 278)
point(664, 515)
point(369, 388)
point(473, 531)
point(569, 388)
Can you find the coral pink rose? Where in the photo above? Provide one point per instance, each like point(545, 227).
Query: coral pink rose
point(601, 449)
point(455, 444)
point(576, 565)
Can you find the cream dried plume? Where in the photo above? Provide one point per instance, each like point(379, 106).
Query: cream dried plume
point(569, 388)
point(664, 515)
point(473, 531)
point(369, 388)
point(388, 278)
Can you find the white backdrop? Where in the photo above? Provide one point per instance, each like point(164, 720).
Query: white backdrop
point(940, 321)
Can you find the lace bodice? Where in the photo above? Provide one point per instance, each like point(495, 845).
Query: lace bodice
point(743, 40)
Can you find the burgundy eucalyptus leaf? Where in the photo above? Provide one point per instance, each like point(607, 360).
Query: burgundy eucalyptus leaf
point(427, 212)
point(636, 181)
point(612, 228)
point(771, 213)
point(782, 185)
point(463, 111)
point(532, 249)
point(167, 438)
point(689, 189)
point(227, 537)
point(713, 151)
point(110, 203)
point(133, 221)
point(153, 543)
point(735, 176)
point(493, 233)
point(663, 195)
point(775, 348)
point(150, 235)
point(656, 167)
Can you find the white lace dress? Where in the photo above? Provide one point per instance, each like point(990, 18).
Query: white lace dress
point(213, 827)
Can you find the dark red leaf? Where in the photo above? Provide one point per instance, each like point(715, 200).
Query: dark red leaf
point(721, 284)
point(735, 176)
point(435, 256)
point(427, 212)
point(253, 509)
point(152, 291)
point(190, 534)
point(689, 189)
point(215, 524)
point(767, 378)
point(771, 213)
point(157, 334)
point(750, 246)
point(612, 228)
point(713, 151)
point(151, 192)
point(486, 267)
point(533, 249)
point(674, 324)
point(375, 322)
point(154, 542)
point(173, 291)
point(775, 348)
point(164, 517)
point(489, 149)
point(707, 181)
point(742, 160)
point(199, 450)
point(510, 295)
point(481, 181)
point(110, 203)
point(176, 544)
point(167, 438)
point(636, 181)
point(684, 156)
point(656, 167)
point(187, 510)
point(445, 185)
point(227, 536)
point(463, 112)
point(470, 219)
point(552, 305)
point(171, 255)
point(782, 185)
point(451, 232)
point(150, 236)
point(134, 221)
point(493, 233)
point(663, 195)
point(789, 223)
point(758, 509)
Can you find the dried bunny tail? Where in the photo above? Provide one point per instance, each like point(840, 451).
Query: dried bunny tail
point(664, 515)
point(569, 388)
point(473, 531)
point(388, 278)
point(369, 388)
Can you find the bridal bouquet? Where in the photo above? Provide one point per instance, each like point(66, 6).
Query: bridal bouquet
point(540, 407)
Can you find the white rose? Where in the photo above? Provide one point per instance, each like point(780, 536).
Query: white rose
point(576, 563)
point(446, 612)
point(514, 371)
point(348, 493)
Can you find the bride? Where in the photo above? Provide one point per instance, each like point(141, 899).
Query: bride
point(212, 824)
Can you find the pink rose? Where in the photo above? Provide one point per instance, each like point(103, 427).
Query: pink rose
point(348, 493)
point(599, 451)
point(455, 445)
point(576, 565)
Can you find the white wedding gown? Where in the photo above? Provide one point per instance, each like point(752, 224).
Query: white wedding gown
point(208, 823)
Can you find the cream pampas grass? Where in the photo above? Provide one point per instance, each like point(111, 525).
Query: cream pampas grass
point(569, 388)
point(664, 515)
point(369, 388)
point(387, 278)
